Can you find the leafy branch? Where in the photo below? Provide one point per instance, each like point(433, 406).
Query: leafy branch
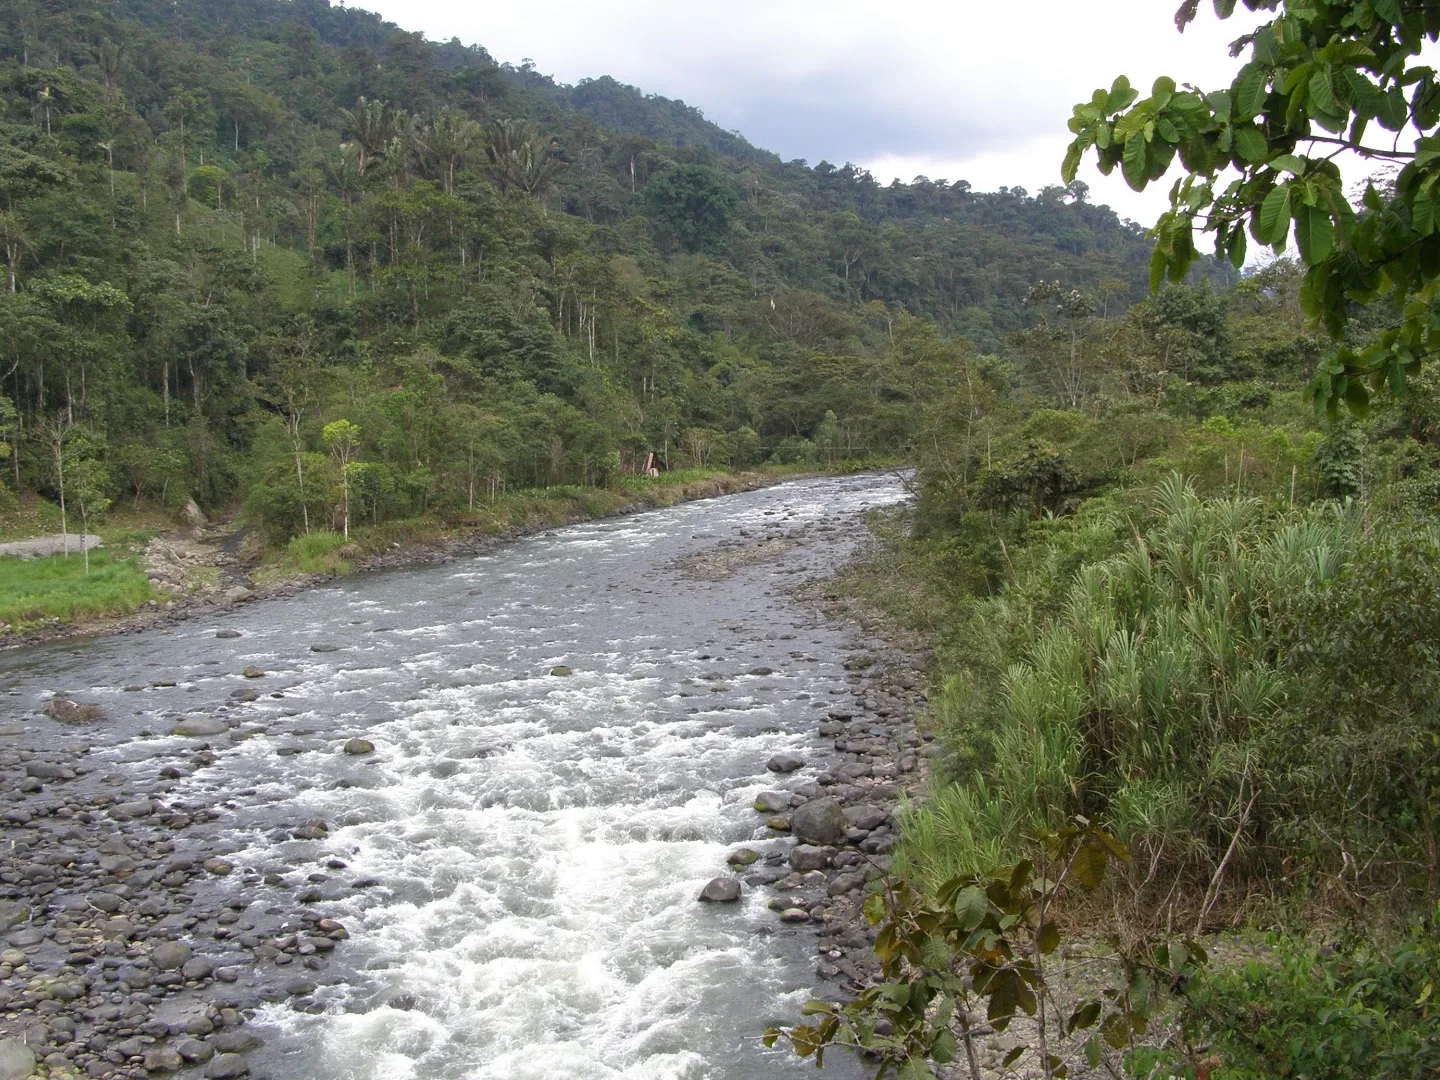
point(979, 948)
point(1317, 73)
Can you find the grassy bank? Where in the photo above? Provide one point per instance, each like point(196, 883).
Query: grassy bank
point(1242, 690)
point(57, 587)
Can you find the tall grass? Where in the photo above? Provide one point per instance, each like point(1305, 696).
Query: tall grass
point(1144, 690)
point(57, 587)
point(316, 552)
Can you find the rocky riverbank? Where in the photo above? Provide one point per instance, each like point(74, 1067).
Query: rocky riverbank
point(833, 834)
point(132, 950)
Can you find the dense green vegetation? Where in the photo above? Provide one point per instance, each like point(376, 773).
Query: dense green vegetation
point(290, 257)
point(1167, 599)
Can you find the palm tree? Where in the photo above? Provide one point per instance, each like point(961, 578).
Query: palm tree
point(107, 58)
point(373, 124)
point(520, 158)
point(447, 142)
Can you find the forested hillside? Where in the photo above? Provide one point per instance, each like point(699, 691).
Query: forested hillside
point(229, 225)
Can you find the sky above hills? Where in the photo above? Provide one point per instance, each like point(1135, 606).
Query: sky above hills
point(967, 90)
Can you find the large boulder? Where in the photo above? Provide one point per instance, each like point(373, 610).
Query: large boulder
point(200, 727)
point(805, 857)
point(67, 711)
point(772, 802)
point(170, 955)
point(721, 890)
point(864, 816)
point(786, 761)
point(17, 1061)
point(819, 821)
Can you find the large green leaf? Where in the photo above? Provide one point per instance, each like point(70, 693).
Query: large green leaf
point(1394, 110)
point(1250, 143)
point(944, 1048)
point(1249, 92)
point(1273, 220)
point(1048, 939)
point(1322, 91)
point(1071, 166)
point(1314, 234)
point(971, 907)
point(1134, 161)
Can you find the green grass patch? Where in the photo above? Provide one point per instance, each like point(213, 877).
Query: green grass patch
point(318, 553)
point(57, 587)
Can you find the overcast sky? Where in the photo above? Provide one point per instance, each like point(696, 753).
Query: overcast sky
point(966, 89)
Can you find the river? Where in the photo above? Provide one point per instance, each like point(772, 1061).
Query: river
point(519, 859)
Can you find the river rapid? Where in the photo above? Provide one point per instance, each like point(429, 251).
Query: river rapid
point(517, 863)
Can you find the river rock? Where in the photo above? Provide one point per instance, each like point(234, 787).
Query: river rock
point(865, 817)
point(17, 1061)
point(772, 802)
point(359, 747)
point(324, 648)
point(721, 890)
point(253, 672)
point(845, 883)
point(68, 711)
point(200, 727)
point(196, 968)
point(819, 821)
point(227, 635)
point(12, 913)
point(163, 1059)
point(561, 670)
point(245, 695)
point(170, 955)
point(195, 1050)
point(227, 1067)
point(785, 762)
point(238, 593)
point(809, 857)
point(235, 1042)
point(742, 856)
point(131, 810)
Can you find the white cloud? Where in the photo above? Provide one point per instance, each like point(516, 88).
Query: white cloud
point(970, 90)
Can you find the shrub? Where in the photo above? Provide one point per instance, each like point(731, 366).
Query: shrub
point(1324, 1015)
point(1232, 686)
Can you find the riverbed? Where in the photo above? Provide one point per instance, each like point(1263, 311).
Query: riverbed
point(568, 735)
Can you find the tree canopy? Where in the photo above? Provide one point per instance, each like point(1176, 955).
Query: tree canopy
point(1321, 79)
